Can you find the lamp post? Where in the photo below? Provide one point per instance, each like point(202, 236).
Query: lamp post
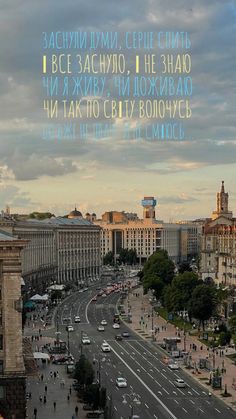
point(68, 341)
point(134, 399)
point(152, 324)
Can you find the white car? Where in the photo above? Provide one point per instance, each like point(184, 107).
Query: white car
point(180, 383)
point(103, 322)
point(101, 328)
point(69, 328)
point(116, 326)
point(121, 382)
point(77, 319)
point(86, 340)
point(105, 347)
point(173, 366)
point(104, 295)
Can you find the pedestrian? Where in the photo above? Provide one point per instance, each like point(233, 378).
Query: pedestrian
point(35, 413)
point(46, 389)
point(41, 377)
point(76, 410)
point(55, 374)
point(68, 397)
point(44, 399)
point(40, 398)
point(51, 374)
point(54, 405)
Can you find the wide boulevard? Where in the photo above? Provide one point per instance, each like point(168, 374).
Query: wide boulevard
point(151, 391)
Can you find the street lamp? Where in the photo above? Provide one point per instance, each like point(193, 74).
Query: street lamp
point(68, 341)
point(135, 400)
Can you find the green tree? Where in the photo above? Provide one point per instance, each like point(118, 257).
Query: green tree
point(224, 338)
point(92, 395)
point(203, 303)
point(56, 295)
point(154, 283)
point(84, 372)
point(184, 267)
point(128, 256)
point(232, 323)
point(178, 294)
point(109, 258)
point(161, 265)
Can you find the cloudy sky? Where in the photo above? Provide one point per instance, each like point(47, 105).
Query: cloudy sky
point(114, 174)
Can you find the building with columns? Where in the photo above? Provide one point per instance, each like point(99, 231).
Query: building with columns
point(218, 247)
point(61, 250)
point(12, 370)
point(119, 230)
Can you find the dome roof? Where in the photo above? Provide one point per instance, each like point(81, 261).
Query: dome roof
point(75, 213)
point(93, 213)
point(87, 213)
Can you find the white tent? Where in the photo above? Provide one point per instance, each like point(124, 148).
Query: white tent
point(41, 355)
point(36, 297)
point(45, 297)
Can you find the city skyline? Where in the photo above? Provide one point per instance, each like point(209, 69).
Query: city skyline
point(106, 174)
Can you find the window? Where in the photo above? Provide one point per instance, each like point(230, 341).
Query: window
point(2, 392)
point(1, 342)
point(1, 366)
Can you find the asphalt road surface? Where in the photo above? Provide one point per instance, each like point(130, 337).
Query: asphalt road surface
point(151, 391)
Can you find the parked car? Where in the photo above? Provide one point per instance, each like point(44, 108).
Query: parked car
point(103, 322)
point(116, 326)
point(121, 382)
point(126, 334)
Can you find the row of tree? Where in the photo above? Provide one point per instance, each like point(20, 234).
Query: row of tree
point(93, 393)
point(181, 292)
point(126, 257)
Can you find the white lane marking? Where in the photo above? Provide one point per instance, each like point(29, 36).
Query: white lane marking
point(159, 392)
point(201, 410)
point(115, 408)
point(176, 401)
point(146, 386)
point(167, 392)
point(163, 375)
point(180, 391)
point(155, 416)
point(217, 410)
point(191, 401)
point(174, 392)
point(148, 406)
point(189, 392)
point(184, 410)
point(195, 391)
point(86, 311)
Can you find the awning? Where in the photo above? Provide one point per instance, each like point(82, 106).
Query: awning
point(36, 297)
point(41, 355)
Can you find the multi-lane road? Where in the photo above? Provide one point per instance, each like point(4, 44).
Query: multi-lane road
point(151, 391)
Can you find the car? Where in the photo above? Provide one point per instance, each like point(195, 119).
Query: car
point(94, 299)
point(180, 383)
point(103, 322)
point(105, 347)
point(104, 295)
point(121, 382)
point(77, 319)
point(69, 328)
point(67, 320)
point(118, 337)
point(85, 340)
point(173, 366)
point(125, 334)
point(101, 328)
point(98, 288)
point(135, 417)
point(85, 289)
point(81, 290)
point(116, 326)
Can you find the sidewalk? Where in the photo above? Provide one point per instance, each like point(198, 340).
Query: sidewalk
point(142, 322)
point(50, 384)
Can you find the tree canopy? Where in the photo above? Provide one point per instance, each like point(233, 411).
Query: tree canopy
point(179, 292)
point(203, 303)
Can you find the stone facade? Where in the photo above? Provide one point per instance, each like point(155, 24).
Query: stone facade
point(12, 372)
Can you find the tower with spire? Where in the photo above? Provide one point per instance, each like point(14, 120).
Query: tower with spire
point(222, 204)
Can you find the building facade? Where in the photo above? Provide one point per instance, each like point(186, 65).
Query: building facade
point(218, 247)
point(182, 241)
point(12, 371)
point(61, 250)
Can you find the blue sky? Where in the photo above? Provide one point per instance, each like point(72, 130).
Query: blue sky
point(115, 174)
